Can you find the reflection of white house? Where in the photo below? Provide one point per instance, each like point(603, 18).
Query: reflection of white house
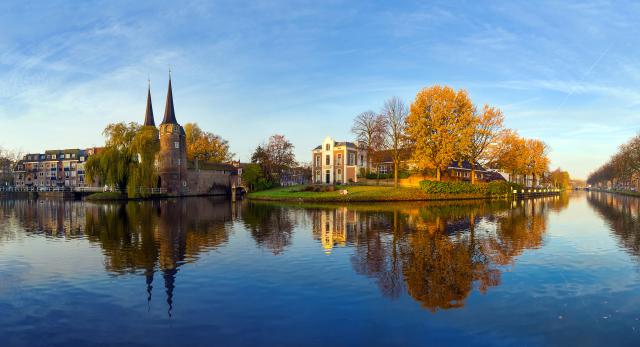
point(336, 162)
point(334, 227)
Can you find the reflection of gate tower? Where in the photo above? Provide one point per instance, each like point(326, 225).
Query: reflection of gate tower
point(172, 159)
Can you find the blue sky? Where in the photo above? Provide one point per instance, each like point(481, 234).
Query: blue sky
point(565, 72)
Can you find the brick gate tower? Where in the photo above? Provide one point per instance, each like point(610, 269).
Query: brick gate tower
point(172, 158)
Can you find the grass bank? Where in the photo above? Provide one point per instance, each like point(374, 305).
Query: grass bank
point(357, 193)
point(102, 196)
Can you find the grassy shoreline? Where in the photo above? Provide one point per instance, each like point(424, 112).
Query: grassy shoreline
point(361, 194)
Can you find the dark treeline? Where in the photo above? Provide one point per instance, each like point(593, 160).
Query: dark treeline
point(622, 170)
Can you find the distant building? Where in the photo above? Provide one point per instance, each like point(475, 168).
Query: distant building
point(336, 162)
point(53, 168)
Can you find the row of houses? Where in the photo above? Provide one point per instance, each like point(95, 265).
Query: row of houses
point(53, 168)
point(335, 162)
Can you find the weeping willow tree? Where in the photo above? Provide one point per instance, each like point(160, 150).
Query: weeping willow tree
point(142, 171)
point(127, 161)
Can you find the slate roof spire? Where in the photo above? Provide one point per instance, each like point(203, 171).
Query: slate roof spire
point(148, 116)
point(169, 112)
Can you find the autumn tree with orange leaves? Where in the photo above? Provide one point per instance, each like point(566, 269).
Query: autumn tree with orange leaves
point(440, 124)
point(486, 129)
point(206, 146)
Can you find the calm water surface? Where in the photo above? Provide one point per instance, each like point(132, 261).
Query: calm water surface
point(202, 272)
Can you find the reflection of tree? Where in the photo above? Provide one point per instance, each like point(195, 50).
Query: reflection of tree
point(271, 226)
point(517, 229)
point(136, 237)
point(440, 273)
point(437, 252)
point(622, 214)
point(377, 251)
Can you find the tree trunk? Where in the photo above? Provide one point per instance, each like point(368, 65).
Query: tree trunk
point(438, 174)
point(473, 173)
point(395, 173)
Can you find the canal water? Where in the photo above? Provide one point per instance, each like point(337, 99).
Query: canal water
point(558, 270)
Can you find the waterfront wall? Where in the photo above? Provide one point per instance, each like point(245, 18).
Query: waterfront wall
point(204, 182)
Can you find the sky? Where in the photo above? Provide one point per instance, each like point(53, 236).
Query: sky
point(565, 72)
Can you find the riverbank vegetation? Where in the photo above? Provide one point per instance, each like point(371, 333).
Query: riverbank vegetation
point(428, 190)
point(442, 126)
point(622, 170)
point(107, 196)
point(269, 162)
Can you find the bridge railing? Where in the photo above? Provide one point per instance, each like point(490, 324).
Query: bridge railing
point(78, 189)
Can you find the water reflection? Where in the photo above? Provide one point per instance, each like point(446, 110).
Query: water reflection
point(271, 227)
point(437, 253)
point(148, 238)
point(622, 214)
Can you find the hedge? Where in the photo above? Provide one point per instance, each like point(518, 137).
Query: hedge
point(491, 188)
point(401, 174)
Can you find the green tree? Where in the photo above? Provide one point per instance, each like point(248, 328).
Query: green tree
point(127, 160)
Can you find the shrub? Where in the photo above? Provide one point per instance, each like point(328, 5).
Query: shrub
point(315, 188)
point(491, 188)
point(401, 174)
point(434, 187)
point(501, 187)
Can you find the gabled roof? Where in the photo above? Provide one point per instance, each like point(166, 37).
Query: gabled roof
point(338, 144)
point(169, 112)
point(345, 143)
point(465, 165)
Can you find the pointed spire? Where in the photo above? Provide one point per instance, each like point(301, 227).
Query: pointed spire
point(169, 112)
point(148, 116)
point(169, 285)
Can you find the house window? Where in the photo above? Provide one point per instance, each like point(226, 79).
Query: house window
point(317, 160)
point(339, 159)
point(361, 159)
point(327, 147)
point(328, 160)
point(351, 159)
point(176, 144)
point(383, 169)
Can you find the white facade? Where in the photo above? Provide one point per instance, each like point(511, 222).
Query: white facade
point(336, 162)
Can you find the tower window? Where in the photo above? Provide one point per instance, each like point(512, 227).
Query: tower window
point(176, 144)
